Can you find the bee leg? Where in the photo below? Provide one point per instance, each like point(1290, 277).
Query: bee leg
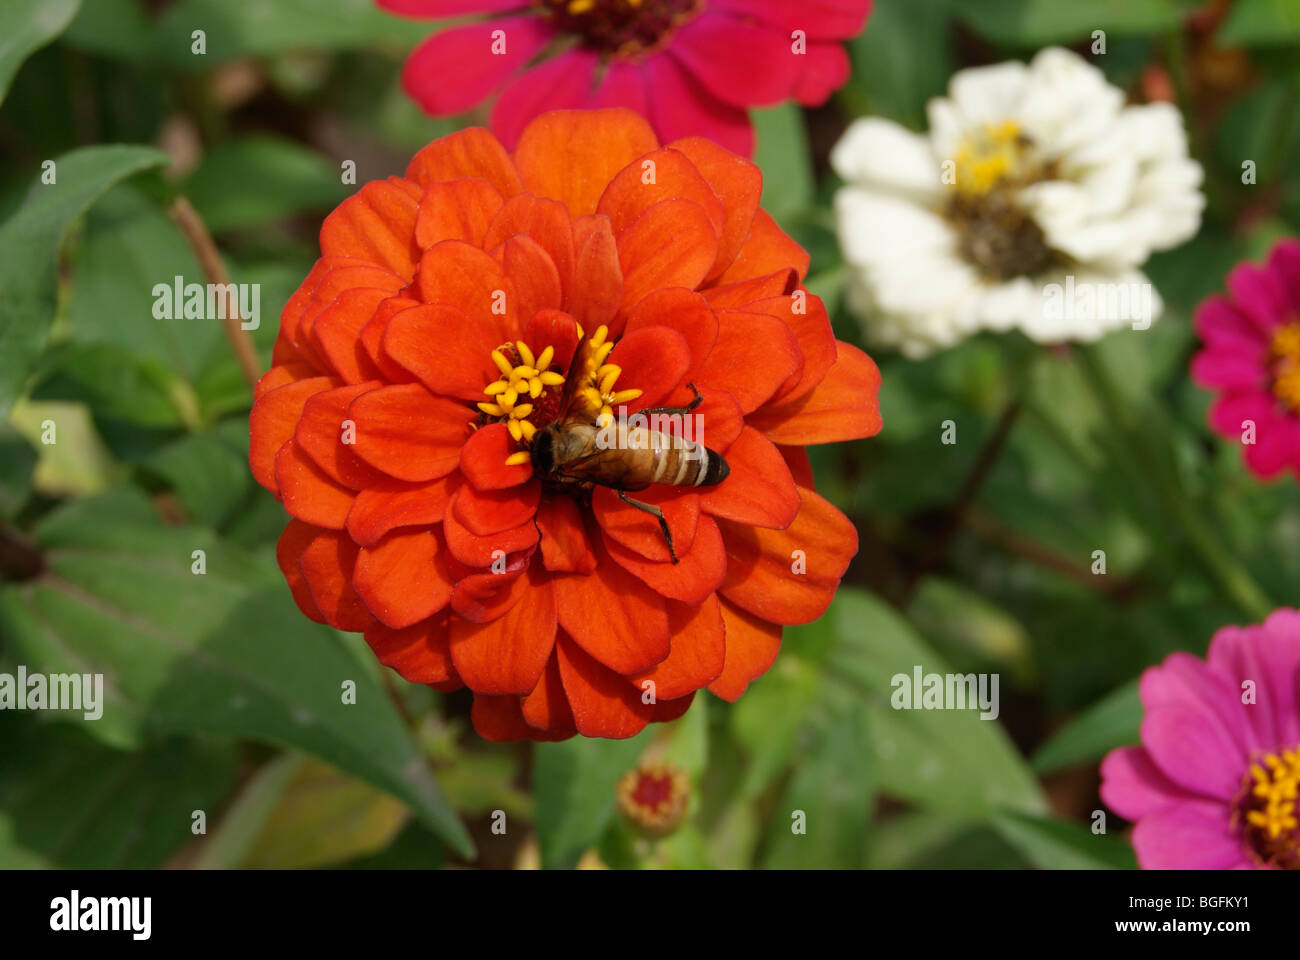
point(699, 398)
point(656, 512)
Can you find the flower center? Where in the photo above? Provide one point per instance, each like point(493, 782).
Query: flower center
point(1285, 355)
point(654, 797)
point(621, 27)
point(990, 166)
point(1267, 809)
point(525, 397)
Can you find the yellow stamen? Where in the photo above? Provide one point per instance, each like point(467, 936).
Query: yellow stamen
point(1285, 354)
point(989, 155)
point(515, 459)
point(1270, 816)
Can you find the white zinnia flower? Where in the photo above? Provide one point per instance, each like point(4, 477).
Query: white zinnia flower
point(1029, 175)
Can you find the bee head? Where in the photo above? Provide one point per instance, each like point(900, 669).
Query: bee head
point(543, 451)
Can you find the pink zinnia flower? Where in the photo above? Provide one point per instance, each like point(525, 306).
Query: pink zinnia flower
point(1213, 785)
point(1251, 359)
point(691, 67)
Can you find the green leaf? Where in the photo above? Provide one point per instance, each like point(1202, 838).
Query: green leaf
point(1033, 23)
point(1111, 722)
point(17, 460)
point(113, 382)
point(768, 718)
point(240, 28)
point(67, 801)
point(949, 760)
point(902, 60)
point(781, 152)
point(25, 27)
point(573, 785)
point(29, 246)
point(226, 652)
point(208, 471)
point(1261, 23)
point(253, 181)
point(116, 28)
point(1055, 845)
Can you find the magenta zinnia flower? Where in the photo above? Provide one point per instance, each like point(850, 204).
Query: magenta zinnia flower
point(691, 67)
point(1213, 785)
point(1251, 358)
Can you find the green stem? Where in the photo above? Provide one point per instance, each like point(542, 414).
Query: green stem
point(1232, 577)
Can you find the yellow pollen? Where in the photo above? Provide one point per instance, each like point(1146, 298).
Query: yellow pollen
point(597, 396)
point(1285, 354)
point(988, 156)
point(526, 379)
point(1270, 807)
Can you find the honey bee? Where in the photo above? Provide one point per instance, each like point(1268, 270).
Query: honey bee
point(586, 447)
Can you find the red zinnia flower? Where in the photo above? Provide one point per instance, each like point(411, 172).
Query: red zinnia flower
point(431, 342)
point(693, 67)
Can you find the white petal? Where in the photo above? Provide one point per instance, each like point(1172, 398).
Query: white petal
point(880, 153)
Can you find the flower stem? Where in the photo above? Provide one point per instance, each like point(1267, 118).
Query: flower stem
point(1231, 576)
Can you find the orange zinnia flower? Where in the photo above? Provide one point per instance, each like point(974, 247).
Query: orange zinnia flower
point(431, 343)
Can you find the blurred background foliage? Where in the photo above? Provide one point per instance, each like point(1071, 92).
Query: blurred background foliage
point(976, 556)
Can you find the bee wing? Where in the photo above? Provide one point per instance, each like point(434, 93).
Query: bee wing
point(572, 380)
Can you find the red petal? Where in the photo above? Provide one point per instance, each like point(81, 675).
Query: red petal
point(483, 459)
point(272, 423)
point(418, 653)
point(376, 224)
point(759, 491)
point(597, 289)
point(544, 221)
point(565, 547)
point(763, 565)
point(638, 530)
point(465, 277)
point(296, 538)
point(698, 651)
point(391, 504)
point(697, 574)
point(782, 283)
point(320, 433)
point(663, 174)
point(469, 153)
point(666, 711)
point(672, 244)
point(613, 616)
point(680, 106)
point(408, 433)
point(560, 83)
point(737, 183)
point(537, 281)
point(603, 703)
point(752, 646)
point(682, 310)
point(507, 655)
point(336, 332)
point(766, 250)
point(307, 492)
point(758, 69)
point(450, 359)
point(402, 578)
point(501, 720)
point(844, 406)
point(327, 565)
point(755, 354)
point(372, 337)
point(487, 512)
point(796, 458)
point(481, 597)
point(475, 551)
point(553, 328)
point(456, 210)
point(654, 360)
point(547, 707)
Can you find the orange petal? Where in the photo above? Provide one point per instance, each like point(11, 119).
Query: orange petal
point(483, 459)
point(456, 210)
point(720, 420)
point(603, 703)
point(682, 310)
point(752, 646)
point(544, 221)
point(457, 364)
point(321, 432)
point(307, 492)
point(392, 504)
point(796, 458)
point(789, 576)
point(654, 360)
point(327, 564)
point(844, 406)
point(402, 578)
point(419, 653)
point(698, 572)
point(377, 224)
point(597, 287)
point(571, 155)
point(272, 423)
point(766, 249)
point(553, 328)
point(547, 707)
point(481, 597)
point(755, 354)
point(779, 284)
point(336, 333)
point(672, 244)
point(475, 551)
point(698, 650)
point(666, 711)
point(334, 284)
point(508, 655)
point(612, 615)
point(737, 183)
point(565, 547)
point(486, 512)
point(372, 338)
point(501, 720)
point(759, 491)
point(296, 538)
point(463, 276)
point(808, 321)
point(469, 153)
point(408, 433)
point(663, 174)
point(537, 281)
point(638, 530)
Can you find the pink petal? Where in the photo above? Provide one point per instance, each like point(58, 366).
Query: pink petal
point(1189, 836)
point(1268, 655)
point(1133, 786)
point(743, 63)
point(825, 68)
point(1194, 750)
point(681, 107)
point(817, 18)
point(1229, 370)
point(1220, 324)
point(1285, 263)
point(560, 84)
point(1259, 295)
point(449, 8)
point(622, 85)
point(1187, 682)
point(456, 69)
